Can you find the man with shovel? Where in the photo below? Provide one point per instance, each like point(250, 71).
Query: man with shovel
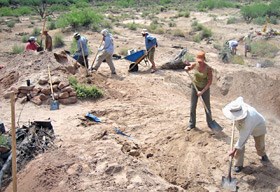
point(106, 52)
point(248, 121)
point(151, 44)
point(81, 55)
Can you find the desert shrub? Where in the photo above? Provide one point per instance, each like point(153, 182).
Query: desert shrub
point(132, 26)
point(24, 38)
point(183, 14)
point(58, 40)
point(178, 33)
point(189, 57)
point(273, 20)
point(7, 11)
point(232, 20)
point(197, 38)
point(58, 8)
point(197, 26)
point(172, 24)
point(4, 141)
point(51, 25)
point(73, 46)
point(11, 23)
point(211, 4)
point(264, 49)
point(78, 18)
point(253, 11)
point(259, 20)
point(85, 91)
point(158, 30)
point(125, 3)
point(274, 8)
point(217, 46)
point(205, 33)
point(36, 31)
point(17, 49)
point(237, 59)
point(4, 3)
point(123, 51)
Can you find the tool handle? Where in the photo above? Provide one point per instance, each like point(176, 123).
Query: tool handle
point(83, 55)
point(96, 54)
point(205, 107)
point(50, 77)
point(231, 147)
point(14, 144)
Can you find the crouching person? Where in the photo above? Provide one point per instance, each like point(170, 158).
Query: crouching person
point(248, 121)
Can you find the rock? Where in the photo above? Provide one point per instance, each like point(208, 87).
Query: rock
point(69, 100)
point(63, 84)
point(56, 80)
point(43, 81)
point(71, 69)
point(35, 92)
point(25, 89)
point(23, 100)
point(63, 95)
point(36, 100)
point(55, 88)
point(67, 89)
point(134, 153)
point(21, 95)
point(46, 91)
point(73, 93)
point(7, 95)
point(56, 95)
point(43, 97)
point(113, 169)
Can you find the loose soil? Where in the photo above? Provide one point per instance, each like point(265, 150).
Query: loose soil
point(159, 155)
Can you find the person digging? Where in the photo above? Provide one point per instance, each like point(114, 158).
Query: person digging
point(248, 121)
point(151, 44)
point(81, 55)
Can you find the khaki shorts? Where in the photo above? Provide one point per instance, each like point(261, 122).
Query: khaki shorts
point(151, 54)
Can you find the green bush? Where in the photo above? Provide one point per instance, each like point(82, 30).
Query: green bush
point(183, 14)
point(172, 24)
point(197, 38)
point(189, 57)
point(85, 91)
point(51, 25)
point(125, 3)
point(273, 20)
point(36, 31)
point(205, 33)
point(79, 18)
point(4, 3)
point(7, 11)
point(197, 26)
point(58, 40)
point(254, 11)
point(73, 46)
point(212, 4)
point(232, 20)
point(259, 20)
point(17, 49)
point(132, 26)
point(24, 38)
point(264, 49)
point(178, 33)
point(11, 23)
point(237, 59)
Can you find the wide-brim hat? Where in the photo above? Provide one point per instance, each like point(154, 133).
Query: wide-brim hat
point(236, 110)
point(75, 35)
point(200, 57)
point(32, 38)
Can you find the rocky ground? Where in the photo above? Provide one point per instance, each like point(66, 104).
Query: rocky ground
point(153, 109)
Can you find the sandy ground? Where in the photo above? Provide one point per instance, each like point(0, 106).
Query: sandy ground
point(154, 110)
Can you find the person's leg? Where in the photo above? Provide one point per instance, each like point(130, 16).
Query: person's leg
point(151, 57)
point(99, 60)
point(194, 98)
point(109, 60)
point(81, 60)
point(206, 99)
point(260, 145)
point(239, 159)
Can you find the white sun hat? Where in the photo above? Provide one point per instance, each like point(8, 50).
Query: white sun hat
point(104, 32)
point(144, 31)
point(236, 110)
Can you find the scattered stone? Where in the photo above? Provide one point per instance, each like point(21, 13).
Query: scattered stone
point(43, 97)
point(26, 89)
point(150, 155)
point(43, 81)
point(7, 95)
point(23, 100)
point(63, 95)
point(35, 92)
point(73, 93)
point(21, 95)
point(63, 84)
point(55, 88)
point(46, 91)
point(36, 100)
point(56, 95)
point(67, 89)
point(134, 153)
point(71, 69)
point(56, 80)
point(69, 100)
point(113, 169)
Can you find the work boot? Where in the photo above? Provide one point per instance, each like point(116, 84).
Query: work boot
point(237, 169)
point(265, 158)
point(189, 128)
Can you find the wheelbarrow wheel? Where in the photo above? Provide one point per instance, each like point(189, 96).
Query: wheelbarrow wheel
point(133, 67)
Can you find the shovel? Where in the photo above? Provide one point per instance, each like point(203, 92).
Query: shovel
point(213, 124)
point(229, 183)
point(54, 104)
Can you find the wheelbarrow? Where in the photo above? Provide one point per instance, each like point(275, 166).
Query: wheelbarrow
point(136, 58)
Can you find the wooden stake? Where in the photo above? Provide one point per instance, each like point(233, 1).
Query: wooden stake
point(14, 144)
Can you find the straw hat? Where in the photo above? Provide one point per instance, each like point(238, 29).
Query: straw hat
point(236, 110)
point(200, 57)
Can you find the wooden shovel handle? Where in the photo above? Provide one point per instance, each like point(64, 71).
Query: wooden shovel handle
point(14, 144)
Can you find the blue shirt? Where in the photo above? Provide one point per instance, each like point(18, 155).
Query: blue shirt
point(108, 44)
point(82, 41)
point(150, 41)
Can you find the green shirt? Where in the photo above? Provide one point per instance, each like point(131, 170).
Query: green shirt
point(201, 78)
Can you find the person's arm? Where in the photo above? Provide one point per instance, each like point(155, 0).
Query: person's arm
point(190, 67)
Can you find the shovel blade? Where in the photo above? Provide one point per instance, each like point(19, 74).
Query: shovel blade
point(54, 105)
point(215, 126)
point(229, 183)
